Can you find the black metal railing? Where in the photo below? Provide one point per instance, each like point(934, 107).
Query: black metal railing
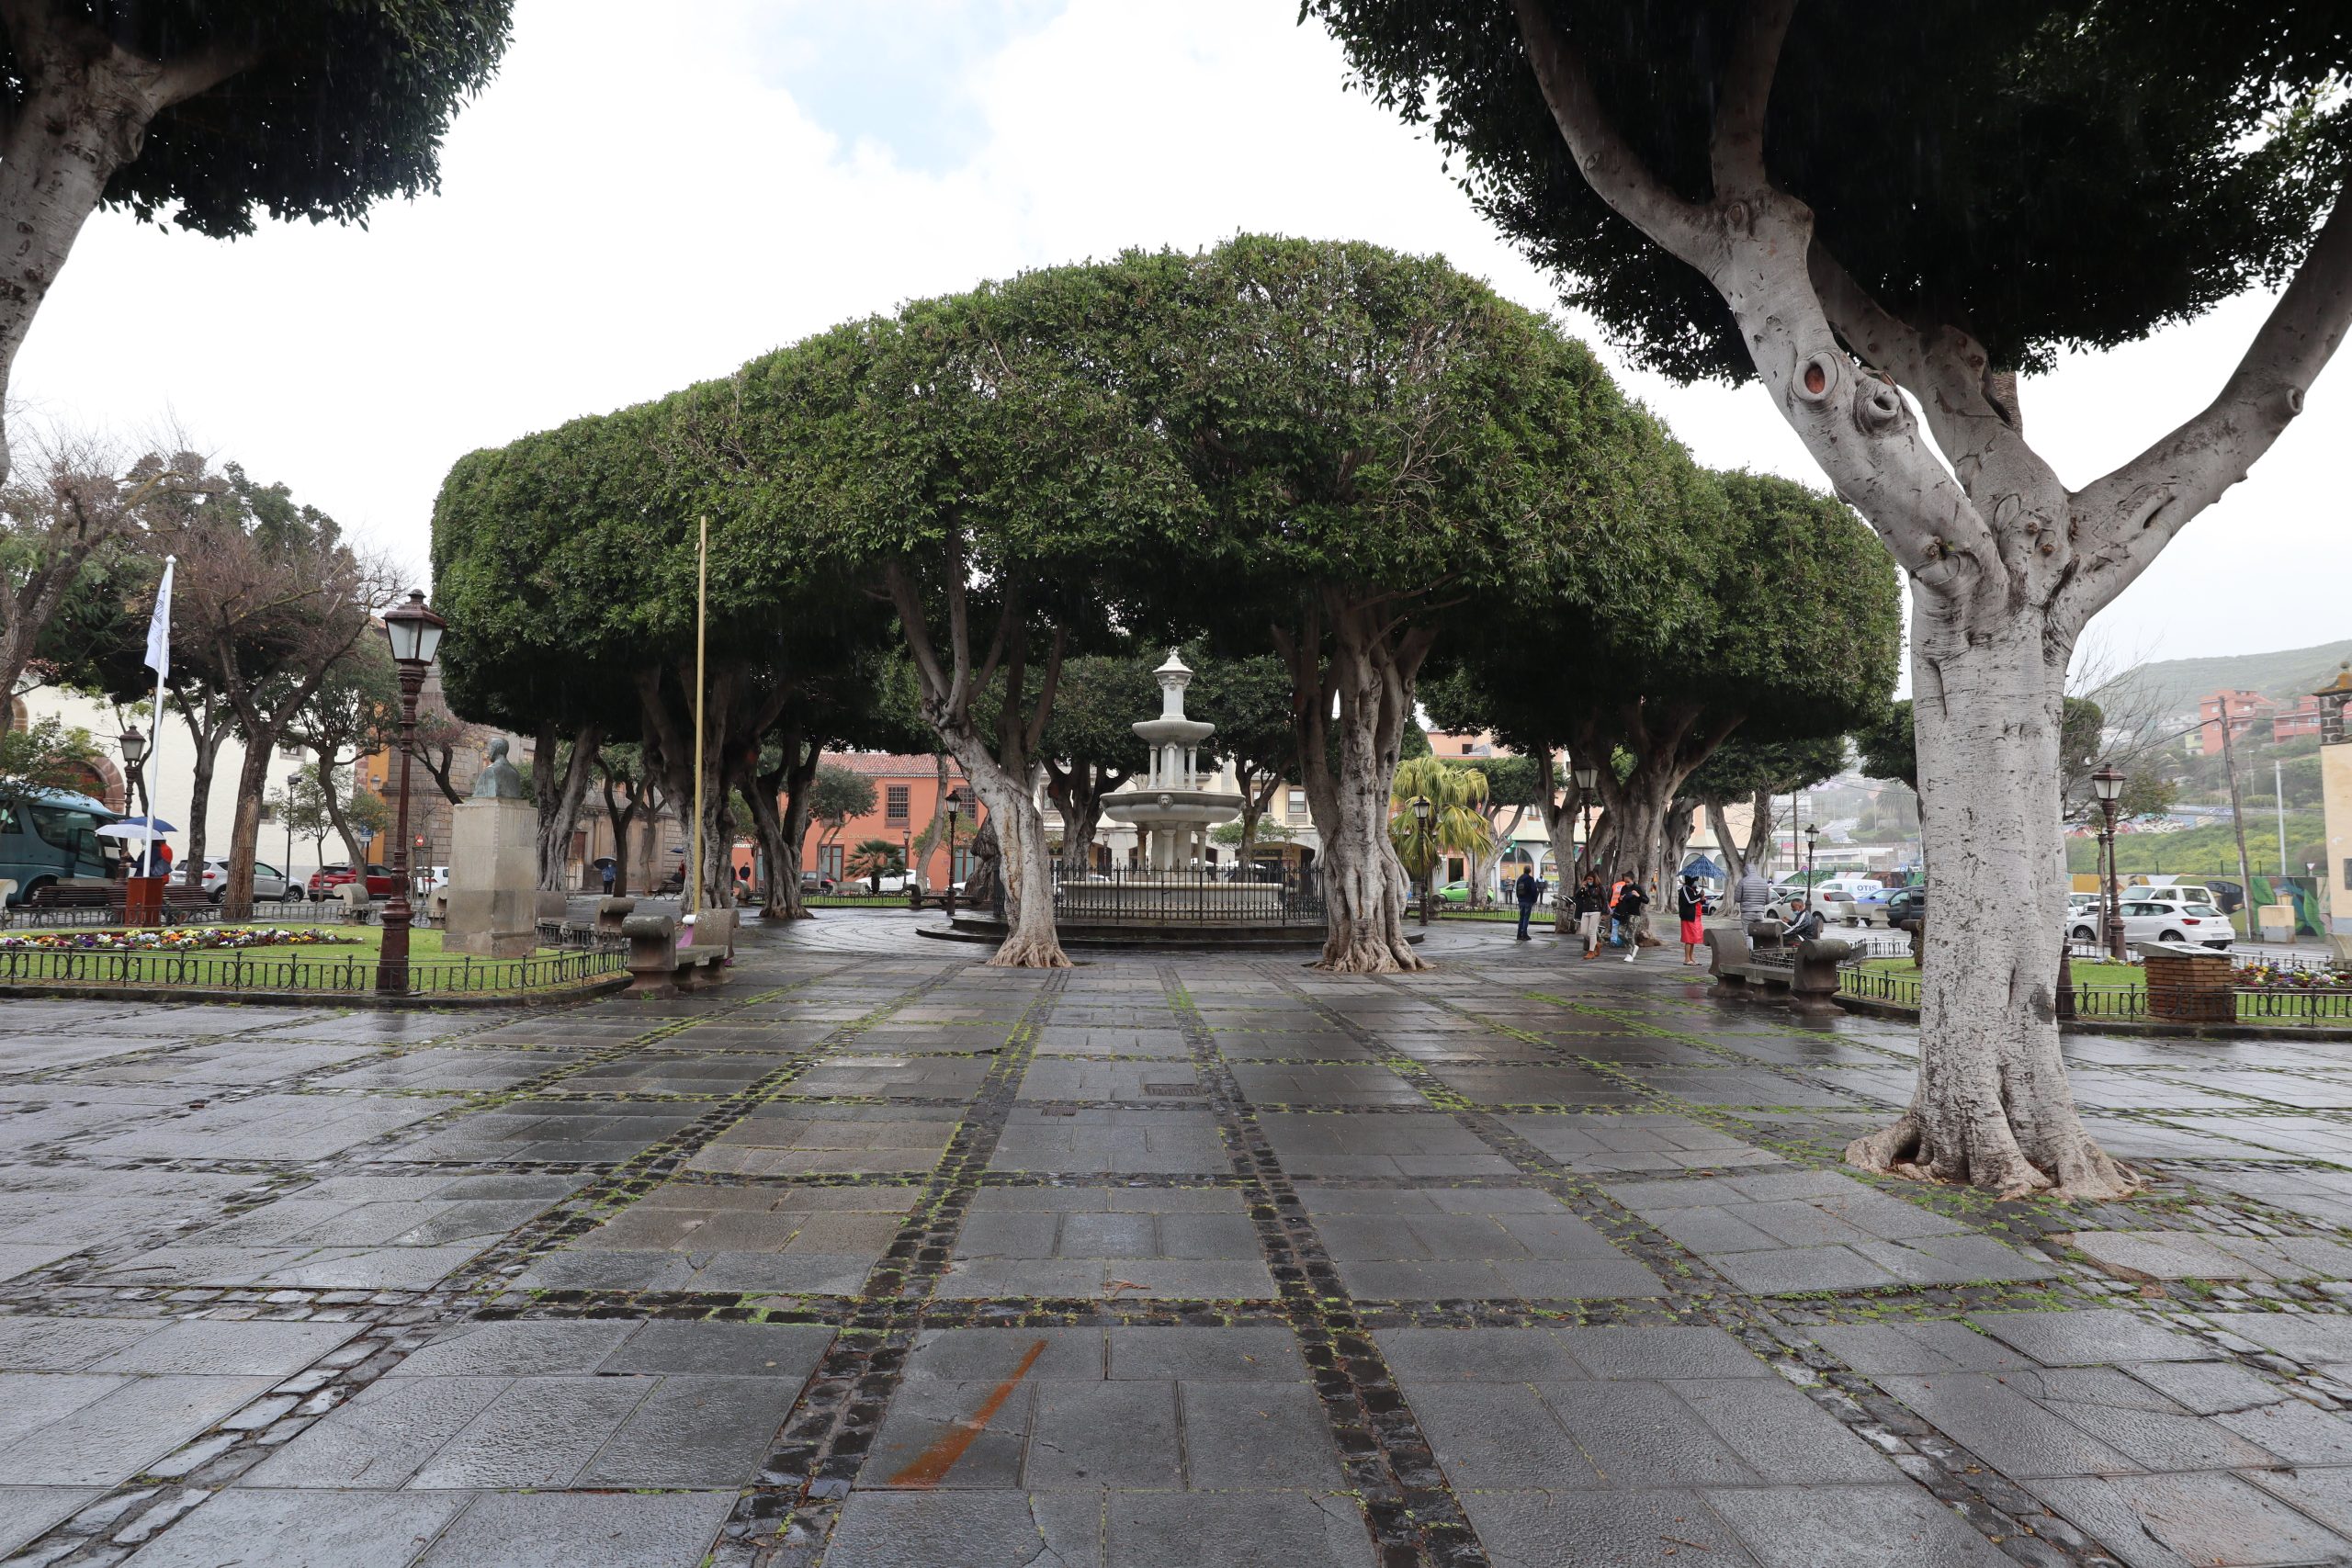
point(267, 912)
point(2255, 1005)
point(1260, 895)
point(2305, 1004)
point(353, 973)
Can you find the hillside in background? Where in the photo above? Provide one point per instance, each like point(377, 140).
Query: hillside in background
point(2173, 685)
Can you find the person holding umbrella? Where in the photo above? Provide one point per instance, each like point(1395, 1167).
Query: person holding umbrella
point(1690, 908)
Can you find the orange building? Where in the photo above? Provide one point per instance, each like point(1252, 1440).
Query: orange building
point(2243, 711)
point(906, 798)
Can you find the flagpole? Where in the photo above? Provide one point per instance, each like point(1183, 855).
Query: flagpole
point(702, 601)
point(159, 662)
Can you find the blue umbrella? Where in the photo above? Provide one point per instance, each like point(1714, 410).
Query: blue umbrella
point(1702, 866)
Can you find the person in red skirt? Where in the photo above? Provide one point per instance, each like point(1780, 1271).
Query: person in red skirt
point(1690, 908)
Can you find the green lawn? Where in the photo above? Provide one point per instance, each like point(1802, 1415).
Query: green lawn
point(345, 965)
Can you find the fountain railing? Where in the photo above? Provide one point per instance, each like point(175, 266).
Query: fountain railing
point(1213, 895)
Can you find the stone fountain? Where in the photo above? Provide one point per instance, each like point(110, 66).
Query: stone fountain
point(1175, 898)
point(1175, 807)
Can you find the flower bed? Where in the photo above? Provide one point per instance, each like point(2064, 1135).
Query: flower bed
point(172, 939)
point(2258, 976)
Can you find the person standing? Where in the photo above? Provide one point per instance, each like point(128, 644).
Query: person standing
point(1690, 908)
point(1751, 897)
point(1529, 890)
point(606, 870)
point(1591, 904)
point(1630, 902)
point(162, 861)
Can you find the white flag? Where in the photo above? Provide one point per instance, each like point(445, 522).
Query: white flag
point(159, 628)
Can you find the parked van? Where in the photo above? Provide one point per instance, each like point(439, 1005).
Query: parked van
point(48, 835)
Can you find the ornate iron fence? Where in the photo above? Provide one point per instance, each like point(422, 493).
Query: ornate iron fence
point(248, 971)
point(1252, 896)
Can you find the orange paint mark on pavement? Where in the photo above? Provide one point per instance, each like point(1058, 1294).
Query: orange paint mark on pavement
point(929, 1467)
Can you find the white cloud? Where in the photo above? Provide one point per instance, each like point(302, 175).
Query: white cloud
point(640, 200)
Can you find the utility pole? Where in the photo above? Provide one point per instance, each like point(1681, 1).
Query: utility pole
point(2237, 820)
point(2278, 803)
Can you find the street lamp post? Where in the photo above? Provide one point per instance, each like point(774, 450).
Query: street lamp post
point(1423, 809)
point(1812, 837)
point(1586, 779)
point(288, 812)
point(415, 633)
point(955, 809)
point(2107, 784)
point(134, 790)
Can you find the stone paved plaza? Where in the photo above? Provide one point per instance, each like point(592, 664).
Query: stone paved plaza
point(883, 1259)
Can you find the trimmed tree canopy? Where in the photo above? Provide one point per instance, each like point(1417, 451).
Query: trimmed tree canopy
point(1972, 163)
point(321, 107)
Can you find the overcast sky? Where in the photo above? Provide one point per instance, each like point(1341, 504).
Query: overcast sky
point(649, 195)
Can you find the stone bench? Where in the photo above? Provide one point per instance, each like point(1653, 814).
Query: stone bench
point(659, 968)
point(1808, 969)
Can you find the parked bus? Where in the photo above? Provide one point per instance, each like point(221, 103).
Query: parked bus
point(48, 835)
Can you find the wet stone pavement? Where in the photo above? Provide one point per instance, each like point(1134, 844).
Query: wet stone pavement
point(879, 1258)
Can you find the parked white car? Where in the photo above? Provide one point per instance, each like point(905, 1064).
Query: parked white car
point(2145, 921)
point(269, 881)
point(2173, 895)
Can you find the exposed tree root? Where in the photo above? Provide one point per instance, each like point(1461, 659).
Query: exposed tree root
point(2079, 1169)
point(1029, 953)
point(1356, 949)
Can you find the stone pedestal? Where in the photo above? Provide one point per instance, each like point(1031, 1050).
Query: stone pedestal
point(2189, 985)
point(494, 879)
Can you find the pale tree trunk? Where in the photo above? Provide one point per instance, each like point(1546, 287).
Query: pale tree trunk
point(1559, 812)
point(1992, 1106)
point(1677, 830)
point(244, 833)
point(1001, 779)
point(205, 735)
point(2007, 565)
point(1735, 858)
point(927, 842)
point(560, 795)
point(84, 114)
point(1031, 941)
point(324, 760)
point(780, 827)
point(1739, 857)
point(1078, 794)
point(1365, 887)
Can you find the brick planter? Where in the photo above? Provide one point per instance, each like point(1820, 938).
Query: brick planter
point(2189, 985)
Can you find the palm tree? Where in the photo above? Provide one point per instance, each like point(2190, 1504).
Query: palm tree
point(875, 859)
point(1453, 824)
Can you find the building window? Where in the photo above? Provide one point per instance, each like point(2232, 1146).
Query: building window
point(962, 869)
point(895, 809)
point(829, 861)
point(1469, 748)
point(1297, 804)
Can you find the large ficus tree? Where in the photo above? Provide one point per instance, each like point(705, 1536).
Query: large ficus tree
point(1385, 445)
point(983, 465)
point(1800, 638)
point(1884, 213)
point(208, 111)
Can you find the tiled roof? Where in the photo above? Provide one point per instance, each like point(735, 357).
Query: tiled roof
point(890, 764)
